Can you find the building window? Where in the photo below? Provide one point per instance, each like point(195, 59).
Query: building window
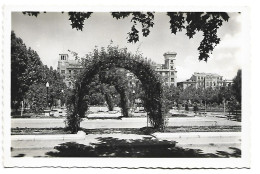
point(171, 61)
point(62, 71)
point(171, 67)
point(69, 71)
point(63, 57)
point(172, 73)
point(172, 79)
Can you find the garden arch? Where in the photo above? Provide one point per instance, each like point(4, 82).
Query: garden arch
point(119, 58)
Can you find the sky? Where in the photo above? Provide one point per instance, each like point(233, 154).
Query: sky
point(50, 34)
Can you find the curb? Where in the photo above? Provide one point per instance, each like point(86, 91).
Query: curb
point(79, 136)
point(201, 138)
point(197, 135)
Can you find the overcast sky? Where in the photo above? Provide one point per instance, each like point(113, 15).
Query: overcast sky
point(51, 34)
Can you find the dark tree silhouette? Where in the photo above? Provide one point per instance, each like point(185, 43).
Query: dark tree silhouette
point(237, 85)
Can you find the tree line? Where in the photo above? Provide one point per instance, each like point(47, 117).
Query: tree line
point(230, 95)
point(29, 77)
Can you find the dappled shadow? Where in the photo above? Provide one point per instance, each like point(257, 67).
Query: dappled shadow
point(114, 147)
point(20, 155)
point(236, 153)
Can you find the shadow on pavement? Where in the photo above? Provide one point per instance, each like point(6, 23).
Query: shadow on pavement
point(146, 147)
point(20, 155)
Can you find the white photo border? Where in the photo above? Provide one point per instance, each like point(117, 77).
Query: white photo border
point(193, 163)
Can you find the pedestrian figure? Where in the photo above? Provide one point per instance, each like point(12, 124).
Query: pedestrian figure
point(178, 107)
point(195, 108)
point(187, 106)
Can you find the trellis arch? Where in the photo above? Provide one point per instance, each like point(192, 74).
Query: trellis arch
point(119, 58)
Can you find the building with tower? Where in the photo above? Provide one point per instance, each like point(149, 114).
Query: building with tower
point(168, 69)
point(69, 68)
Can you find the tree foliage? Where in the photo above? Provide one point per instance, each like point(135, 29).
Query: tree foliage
point(216, 95)
point(25, 66)
point(36, 96)
point(193, 22)
point(237, 85)
point(29, 76)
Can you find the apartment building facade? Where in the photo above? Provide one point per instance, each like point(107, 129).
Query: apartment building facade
point(205, 80)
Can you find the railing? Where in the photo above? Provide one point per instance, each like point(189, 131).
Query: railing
point(234, 115)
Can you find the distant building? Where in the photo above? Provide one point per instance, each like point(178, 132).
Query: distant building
point(167, 70)
point(205, 80)
point(68, 68)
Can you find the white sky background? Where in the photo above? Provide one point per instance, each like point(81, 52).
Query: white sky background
point(51, 34)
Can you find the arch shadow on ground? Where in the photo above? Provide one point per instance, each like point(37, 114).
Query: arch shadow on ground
point(145, 148)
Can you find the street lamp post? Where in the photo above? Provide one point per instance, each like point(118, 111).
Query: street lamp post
point(133, 99)
point(47, 86)
point(62, 91)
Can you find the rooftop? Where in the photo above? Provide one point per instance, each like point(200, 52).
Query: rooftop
point(206, 74)
point(170, 53)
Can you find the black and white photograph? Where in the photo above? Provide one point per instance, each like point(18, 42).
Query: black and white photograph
point(119, 85)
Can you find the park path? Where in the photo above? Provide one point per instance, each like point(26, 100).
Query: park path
point(121, 123)
point(215, 143)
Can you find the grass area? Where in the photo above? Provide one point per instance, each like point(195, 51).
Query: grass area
point(39, 131)
point(140, 131)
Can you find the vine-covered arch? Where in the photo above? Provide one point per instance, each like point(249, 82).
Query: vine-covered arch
point(114, 57)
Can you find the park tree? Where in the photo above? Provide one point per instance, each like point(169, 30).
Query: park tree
point(25, 65)
point(224, 94)
point(29, 76)
point(237, 85)
point(193, 22)
point(188, 94)
point(172, 93)
point(36, 96)
point(234, 102)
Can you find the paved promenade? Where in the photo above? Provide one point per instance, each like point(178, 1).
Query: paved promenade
point(206, 143)
point(122, 123)
point(210, 144)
